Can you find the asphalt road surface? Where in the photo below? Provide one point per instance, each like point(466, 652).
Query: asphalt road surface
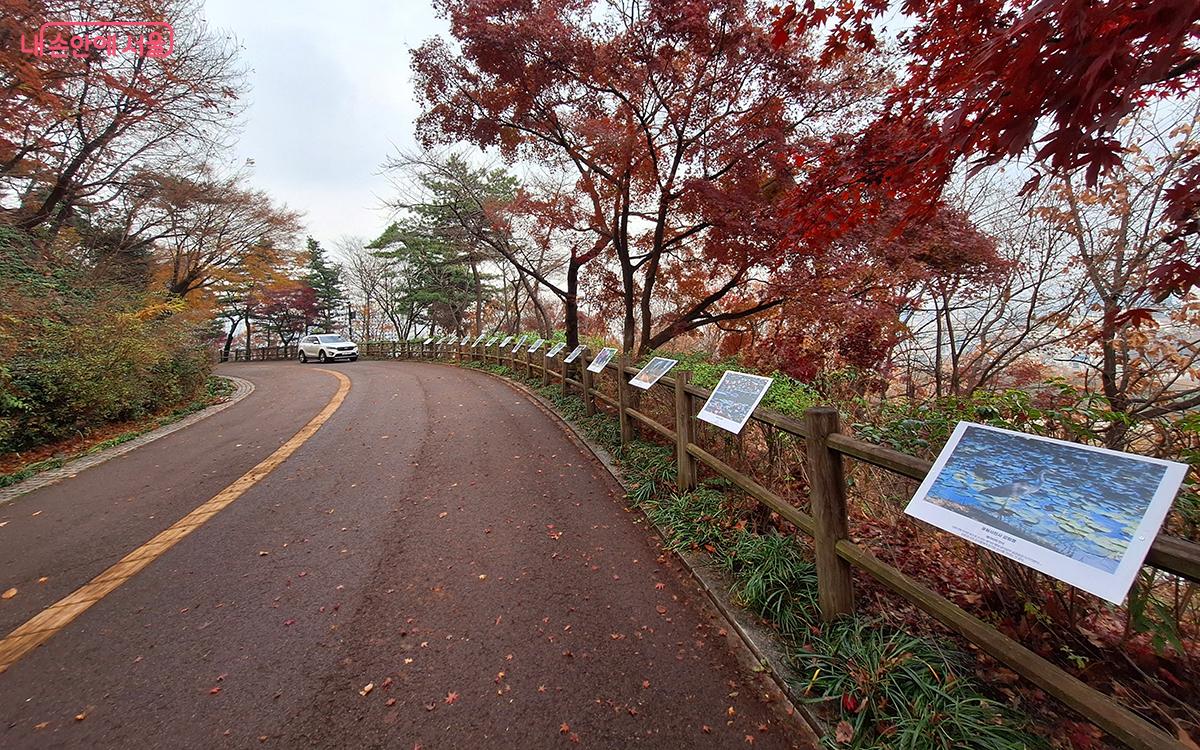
point(439, 565)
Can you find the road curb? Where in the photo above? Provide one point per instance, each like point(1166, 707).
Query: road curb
point(242, 389)
point(757, 637)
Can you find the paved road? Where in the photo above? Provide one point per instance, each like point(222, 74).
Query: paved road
point(439, 538)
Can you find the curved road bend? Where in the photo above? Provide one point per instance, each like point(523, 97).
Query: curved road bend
point(439, 538)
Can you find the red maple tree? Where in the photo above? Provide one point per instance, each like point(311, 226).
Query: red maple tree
point(991, 80)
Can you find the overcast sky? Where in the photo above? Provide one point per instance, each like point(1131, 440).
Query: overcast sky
point(331, 99)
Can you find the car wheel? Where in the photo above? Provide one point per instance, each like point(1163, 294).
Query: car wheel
point(303, 357)
point(321, 357)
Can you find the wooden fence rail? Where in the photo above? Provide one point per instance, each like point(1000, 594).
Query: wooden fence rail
point(826, 448)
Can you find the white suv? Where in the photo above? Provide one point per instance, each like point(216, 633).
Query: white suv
point(327, 347)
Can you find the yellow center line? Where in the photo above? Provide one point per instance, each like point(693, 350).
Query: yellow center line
point(54, 618)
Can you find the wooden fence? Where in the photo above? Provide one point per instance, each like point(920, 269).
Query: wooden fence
point(262, 354)
point(827, 448)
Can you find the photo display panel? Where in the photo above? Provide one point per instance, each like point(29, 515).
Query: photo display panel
point(536, 345)
point(602, 359)
point(734, 400)
point(476, 343)
point(519, 343)
point(491, 341)
point(653, 370)
point(504, 343)
point(554, 350)
point(1086, 516)
point(574, 355)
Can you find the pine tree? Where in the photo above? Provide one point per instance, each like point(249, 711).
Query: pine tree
point(325, 277)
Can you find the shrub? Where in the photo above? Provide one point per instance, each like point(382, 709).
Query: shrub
point(78, 354)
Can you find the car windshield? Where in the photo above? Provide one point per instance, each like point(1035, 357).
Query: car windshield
point(330, 339)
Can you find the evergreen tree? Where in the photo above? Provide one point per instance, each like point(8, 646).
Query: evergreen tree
point(325, 277)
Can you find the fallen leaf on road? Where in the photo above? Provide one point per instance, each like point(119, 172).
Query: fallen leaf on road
point(843, 733)
point(38, 513)
point(367, 688)
point(42, 725)
point(43, 579)
point(660, 609)
point(645, 684)
point(750, 739)
point(9, 594)
point(451, 697)
point(387, 682)
point(390, 702)
point(214, 691)
point(443, 514)
point(81, 716)
point(706, 729)
point(565, 728)
point(660, 586)
point(263, 553)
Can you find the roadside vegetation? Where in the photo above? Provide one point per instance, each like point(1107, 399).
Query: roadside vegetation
point(19, 466)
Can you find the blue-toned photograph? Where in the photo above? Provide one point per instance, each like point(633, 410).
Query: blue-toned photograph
point(1080, 503)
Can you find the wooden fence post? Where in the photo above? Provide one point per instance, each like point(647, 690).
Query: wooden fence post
point(545, 371)
point(623, 401)
point(565, 369)
point(827, 489)
point(589, 406)
point(685, 432)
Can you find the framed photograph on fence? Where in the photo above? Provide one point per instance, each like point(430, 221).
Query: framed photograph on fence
point(554, 350)
point(574, 355)
point(504, 343)
point(491, 341)
point(519, 344)
point(1086, 516)
point(602, 358)
point(429, 341)
point(476, 342)
point(465, 340)
point(536, 345)
point(653, 370)
point(734, 399)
